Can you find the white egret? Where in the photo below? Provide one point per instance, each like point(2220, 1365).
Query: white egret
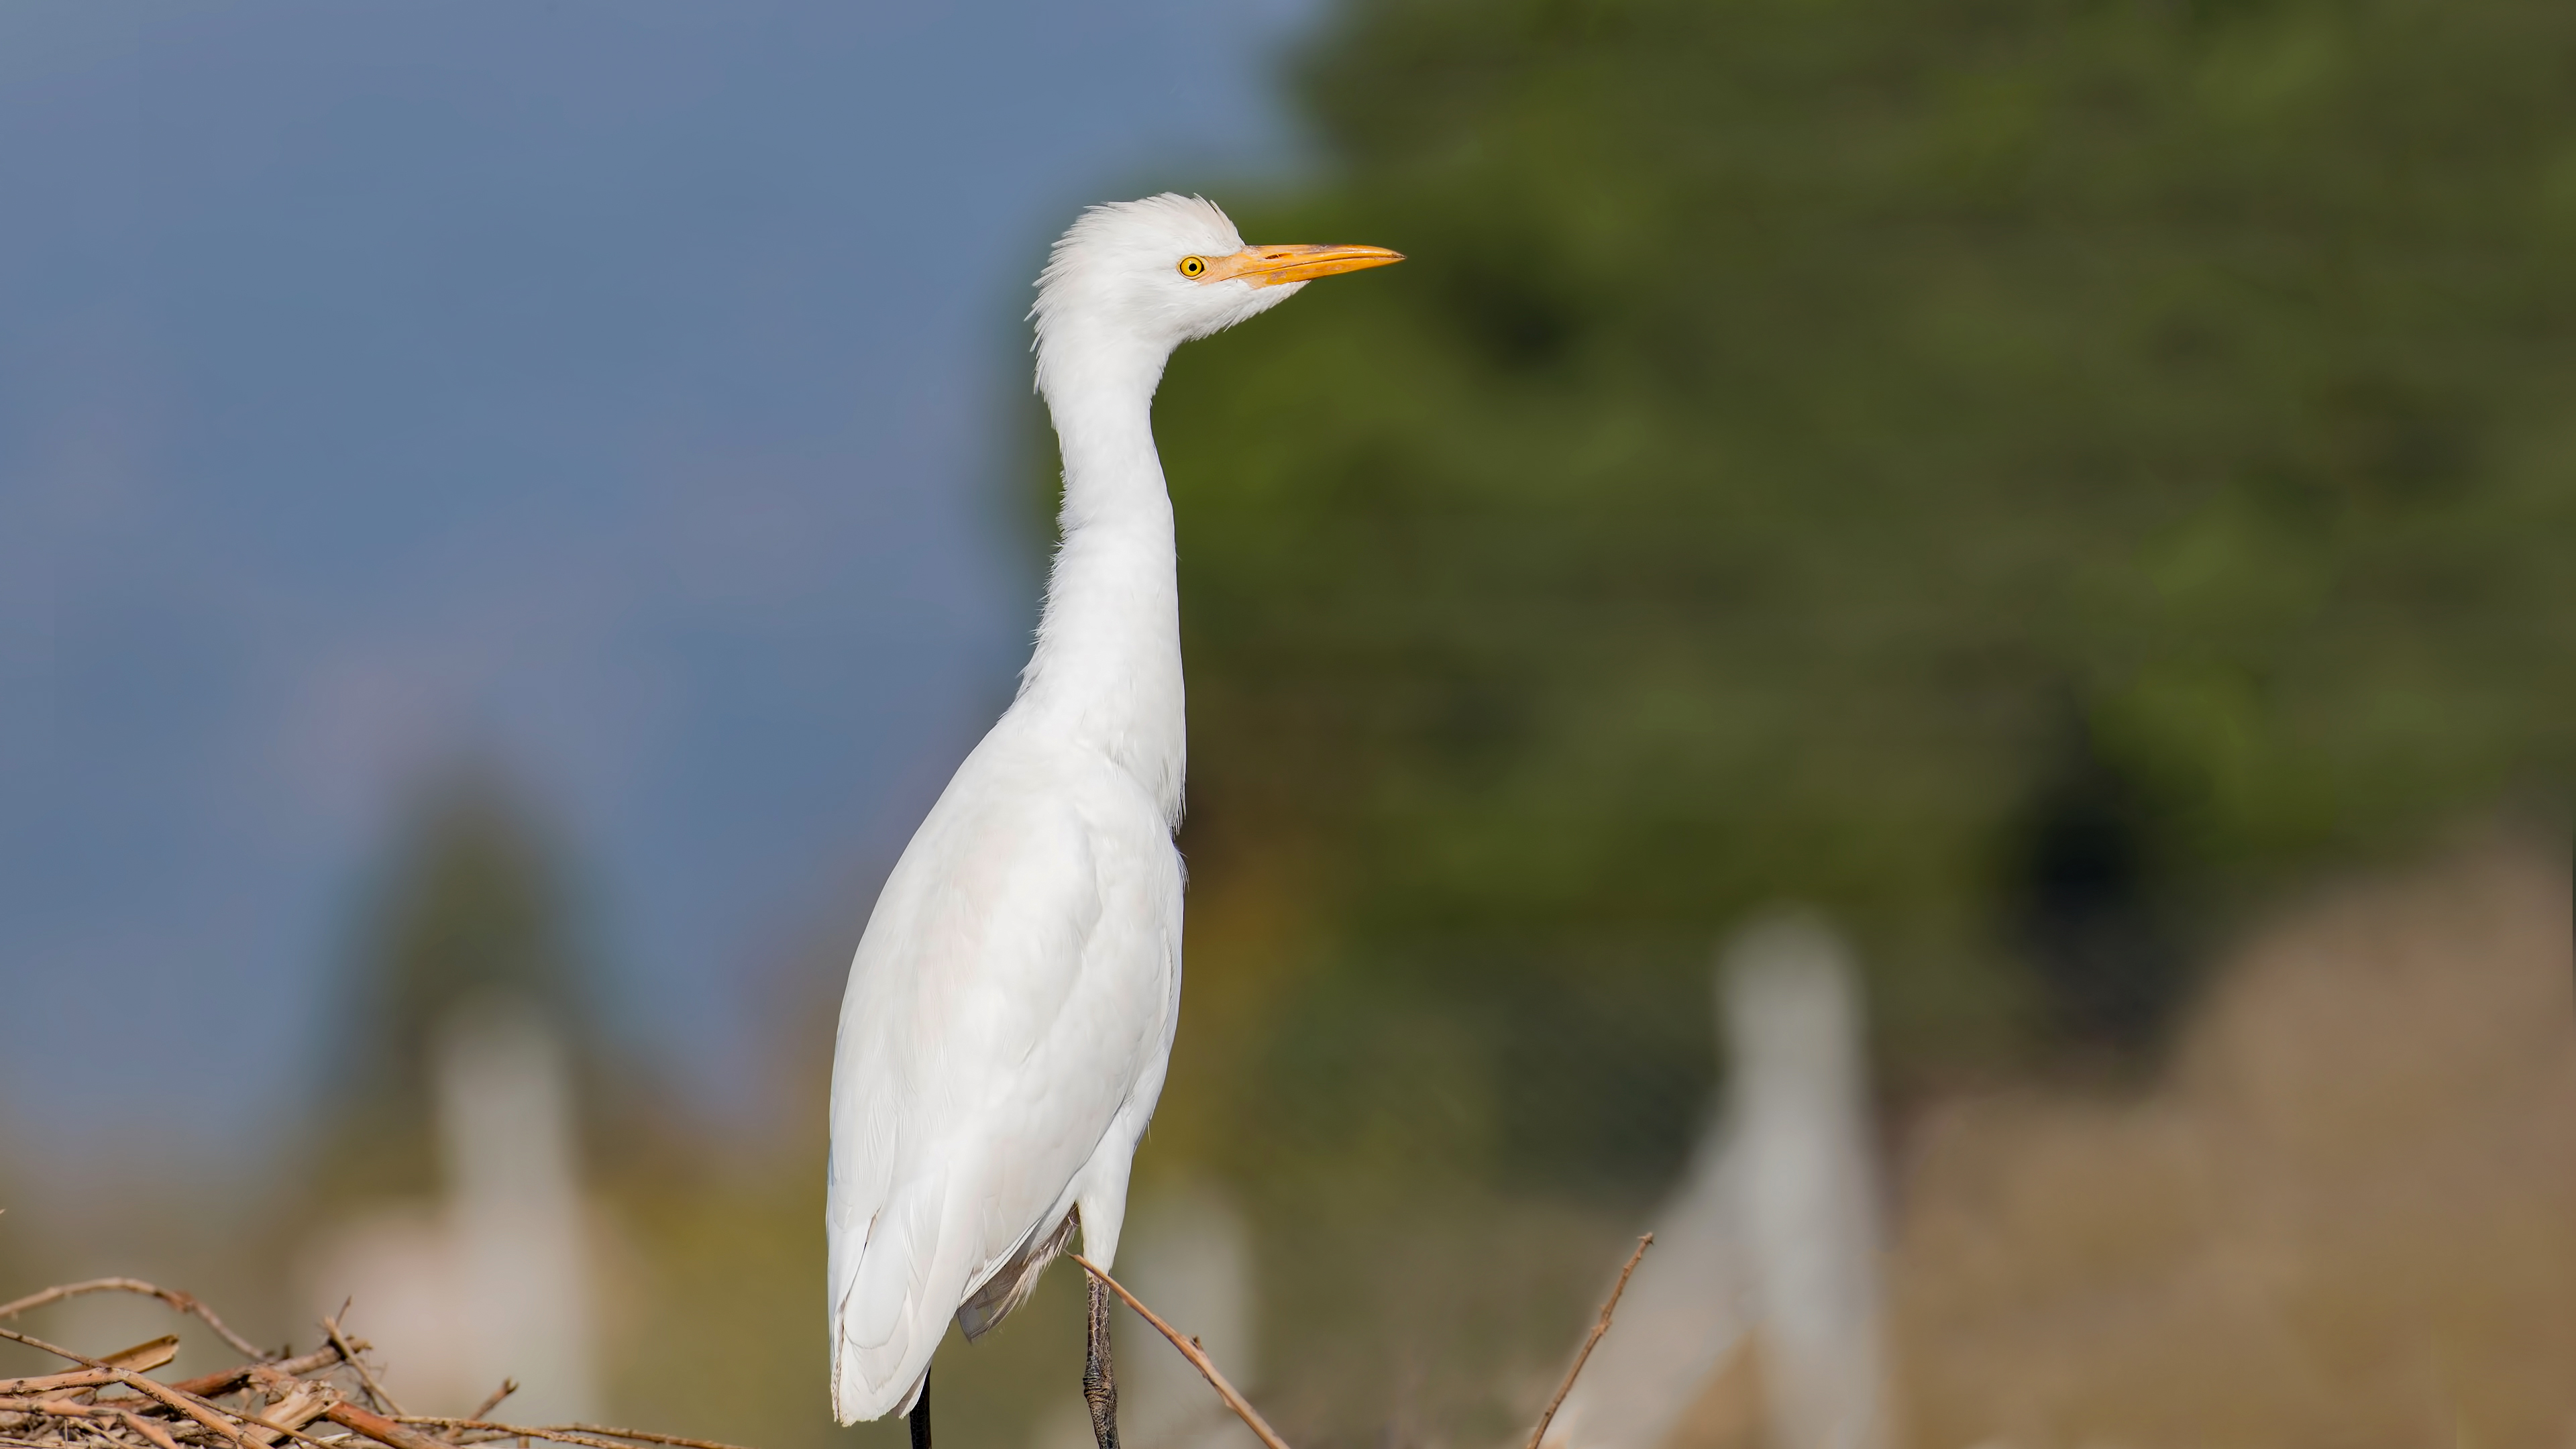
point(1011, 1006)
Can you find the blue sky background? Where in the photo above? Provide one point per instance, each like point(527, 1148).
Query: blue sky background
point(622, 392)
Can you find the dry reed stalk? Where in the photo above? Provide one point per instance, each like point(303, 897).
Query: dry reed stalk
point(1197, 1356)
point(1585, 1353)
point(1251, 1417)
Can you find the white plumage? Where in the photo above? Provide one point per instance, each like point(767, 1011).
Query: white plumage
point(1011, 1005)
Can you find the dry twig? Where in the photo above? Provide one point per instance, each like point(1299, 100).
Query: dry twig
point(183, 1302)
point(216, 1385)
point(590, 1434)
point(379, 1428)
point(187, 1404)
point(653, 1438)
point(158, 1436)
point(482, 1431)
point(50, 1383)
point(1585, 1353)
point(375, 1391)
point(1196, 1355)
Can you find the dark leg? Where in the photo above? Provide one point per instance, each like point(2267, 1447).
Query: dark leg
point(1099, 1385)
point(921, 1416)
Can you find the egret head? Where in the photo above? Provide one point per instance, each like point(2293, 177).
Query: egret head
point(1139, 278)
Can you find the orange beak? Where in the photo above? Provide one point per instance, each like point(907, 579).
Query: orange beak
point(1269, 266)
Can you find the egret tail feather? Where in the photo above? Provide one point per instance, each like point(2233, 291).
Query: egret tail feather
point(1011, 1284)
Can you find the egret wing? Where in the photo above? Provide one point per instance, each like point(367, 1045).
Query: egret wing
point(957, 1122)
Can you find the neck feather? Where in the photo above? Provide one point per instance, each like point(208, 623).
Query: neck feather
point(1106, 674)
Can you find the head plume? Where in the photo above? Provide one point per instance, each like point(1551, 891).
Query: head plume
point(1113, 290)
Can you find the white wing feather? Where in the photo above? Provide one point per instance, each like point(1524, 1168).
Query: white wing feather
point(1008, 1014)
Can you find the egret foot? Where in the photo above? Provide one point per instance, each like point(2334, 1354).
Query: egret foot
point(920, 1417)
point(1099, 1384)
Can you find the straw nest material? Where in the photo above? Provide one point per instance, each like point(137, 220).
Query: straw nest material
point(326, 1399)
point(271, 1401)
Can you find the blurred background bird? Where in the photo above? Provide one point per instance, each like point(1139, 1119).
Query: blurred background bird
point(1010, 1009)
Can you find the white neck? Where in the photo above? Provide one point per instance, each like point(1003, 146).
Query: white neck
point(1106, 674)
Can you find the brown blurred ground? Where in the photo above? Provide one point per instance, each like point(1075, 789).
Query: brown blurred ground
point(2346, 1216)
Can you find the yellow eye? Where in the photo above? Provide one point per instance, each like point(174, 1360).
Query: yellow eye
point(1193, 266)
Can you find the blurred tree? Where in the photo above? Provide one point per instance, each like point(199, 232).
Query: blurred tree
point(2088, 919)
point(1790, 407)
point(471, 908)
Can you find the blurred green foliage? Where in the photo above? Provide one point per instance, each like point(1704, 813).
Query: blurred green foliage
point(1857, 451)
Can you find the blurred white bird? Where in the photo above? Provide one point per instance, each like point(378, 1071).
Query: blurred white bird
point(1010, 1010)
